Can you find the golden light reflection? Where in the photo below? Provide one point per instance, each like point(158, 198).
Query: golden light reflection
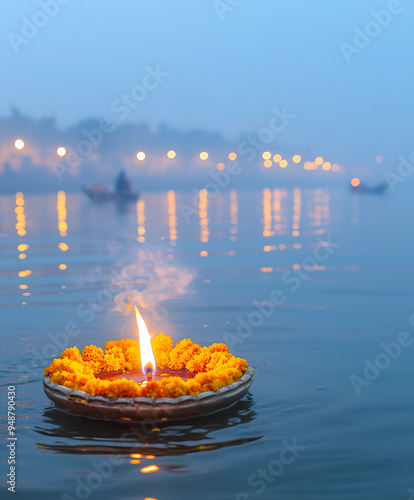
point(221, 166)
point(135, 455)
point(232, 156)
point(325, 207)
point(20, 216)
point(283, 163)
point(61, 151)
point(61, 209)
point(21, 247)
point(267, 213)
point(203, 253)
point(297, 204)
point(141, 155)
point(203, 155)
point(266, 269)
point(141, 221)
point(19, 144)
point(319, 160)
point(63, 246)
point(326, 165)
point(203, 215)
point(317, 214)
point(233, 214)
point(277, 210)
point(277, 158)
point(355, 182)
point(296, 159)
point(171, 154)
point(335, 167)
point(267, 163)
point(266, 155)
point(150, 468)
point(172, 216)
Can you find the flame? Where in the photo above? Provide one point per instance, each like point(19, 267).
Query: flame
point(147, 355)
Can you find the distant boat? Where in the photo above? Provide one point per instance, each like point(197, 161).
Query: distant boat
point(99, 195)
point(358, 187)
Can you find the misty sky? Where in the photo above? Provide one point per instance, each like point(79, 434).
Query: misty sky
point(225, 74)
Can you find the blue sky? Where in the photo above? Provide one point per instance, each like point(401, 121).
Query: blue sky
point(225, 74)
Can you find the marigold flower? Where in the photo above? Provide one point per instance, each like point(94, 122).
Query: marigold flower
point(182, 353)
point(214, 367)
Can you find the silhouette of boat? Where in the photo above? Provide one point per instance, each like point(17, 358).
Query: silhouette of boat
point(363, 188)
point(99, 195)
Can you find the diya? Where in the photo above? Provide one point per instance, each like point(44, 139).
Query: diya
point(147, 380)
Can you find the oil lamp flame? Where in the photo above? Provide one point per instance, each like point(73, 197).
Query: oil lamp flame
point(147, 355)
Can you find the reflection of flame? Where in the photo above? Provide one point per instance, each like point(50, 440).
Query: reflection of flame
point(147, 355)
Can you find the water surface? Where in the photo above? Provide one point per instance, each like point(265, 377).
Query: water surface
point(207, 269)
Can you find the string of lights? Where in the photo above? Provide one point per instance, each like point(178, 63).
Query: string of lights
point(269, 159)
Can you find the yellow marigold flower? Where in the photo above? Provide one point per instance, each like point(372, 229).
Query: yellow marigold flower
point(199, 361)
point(132, 358)
point(182, 353)
point(153, 389)
point(72, 353)
point(94, 357)
point(174, 387)
point(114, 359)
point(194, 387)
point(214, 366)
point(218, 359)
point(123, 388)
point(218, 348)
point(162, 346)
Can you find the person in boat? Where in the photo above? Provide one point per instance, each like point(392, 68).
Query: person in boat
point(123, 186)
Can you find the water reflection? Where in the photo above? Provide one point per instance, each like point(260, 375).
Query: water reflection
point(297, 204)
point(286, 219)
point(203, 215)
point(172, 217)
point(233, 214)
point(161, 439)
point(267, 213)
point(141, 221)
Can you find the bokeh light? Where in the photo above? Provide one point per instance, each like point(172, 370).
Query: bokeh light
point(355, 182)
point(319, 160)
point(203, 155)
point(277, 158)
point(19, 144)
point(283, 163)
point(266, 155)
point(141, 155)
point(232, 156)
point(61, 151)
point(171, 154)
point(267, 163)
point(296, 159)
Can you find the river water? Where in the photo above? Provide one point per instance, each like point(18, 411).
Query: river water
point(330, 412)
